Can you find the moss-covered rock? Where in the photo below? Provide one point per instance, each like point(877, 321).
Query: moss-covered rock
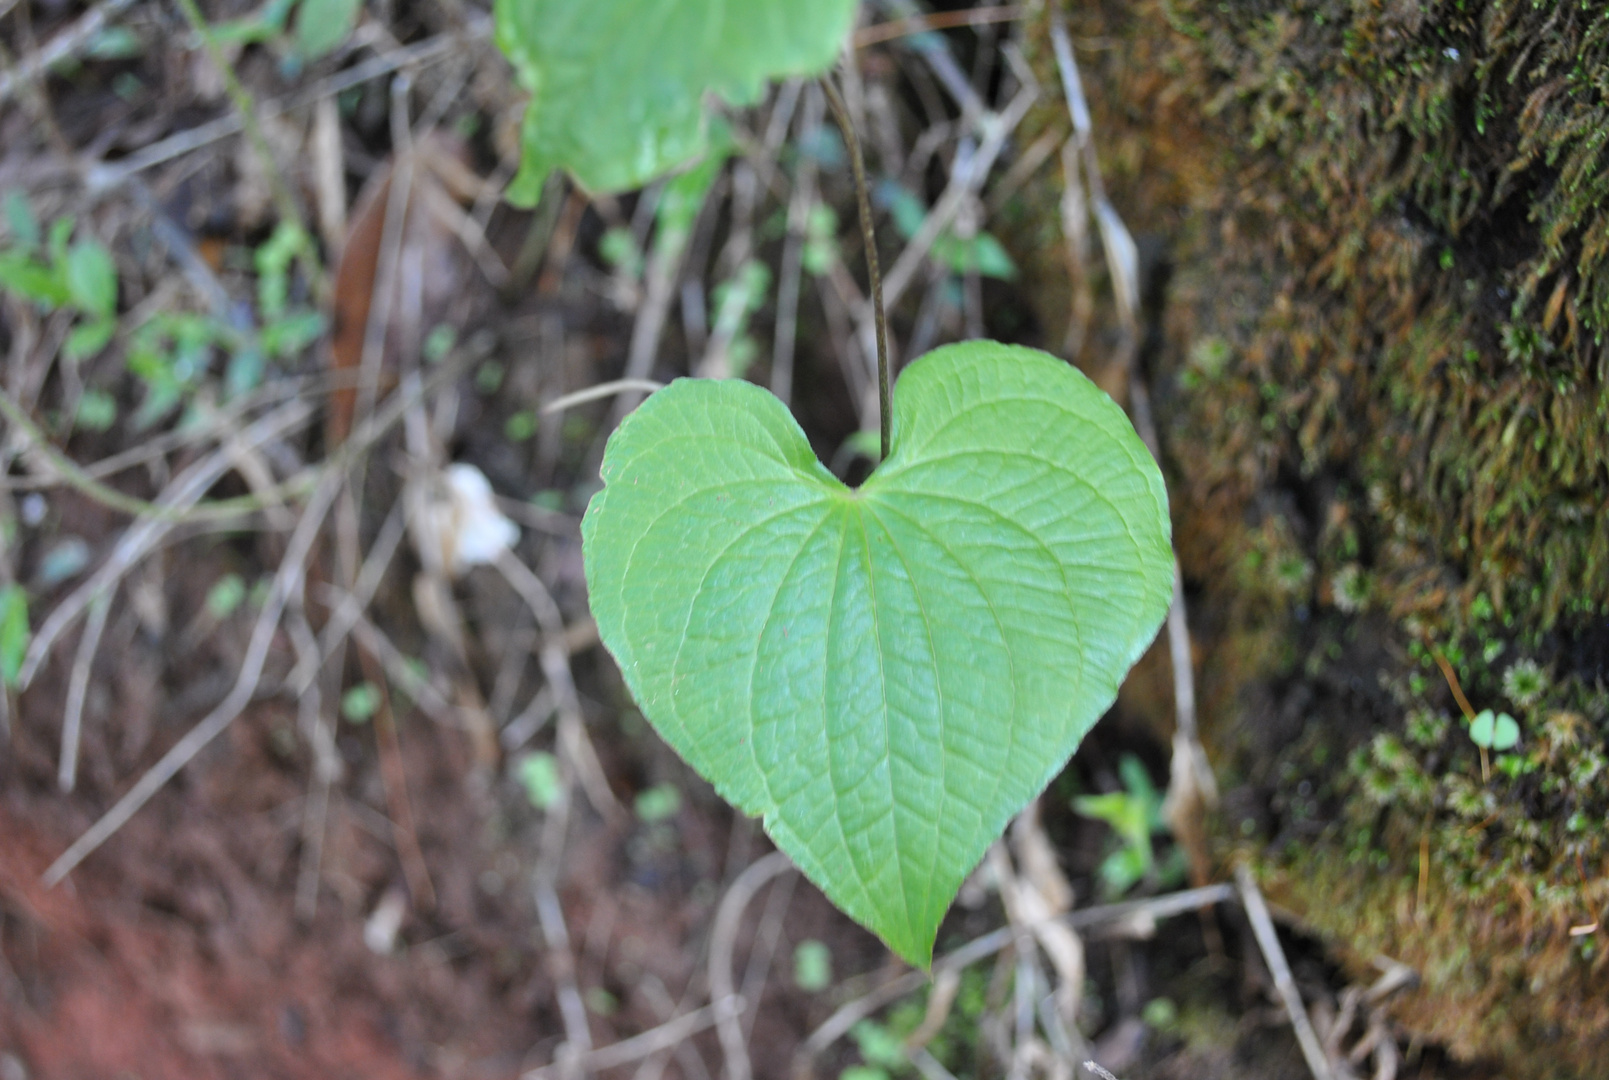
point(1381, 363)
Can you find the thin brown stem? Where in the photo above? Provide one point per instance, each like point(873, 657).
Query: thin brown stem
point(840, 112)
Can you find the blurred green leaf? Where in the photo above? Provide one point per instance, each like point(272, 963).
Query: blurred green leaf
point(360, 703)
point(618, 87)
point(92, 279)
point(14, 632)
point(538, 774)
point(20, 220)
point(520, 427)
point(114, 43)
point(89, 338)
point(878, 1045)
point(226, 596)
point(812, 966)
point(322, 25)
point(658, 803)
point(97, 410)
point(1494, 731)
point(32, 280)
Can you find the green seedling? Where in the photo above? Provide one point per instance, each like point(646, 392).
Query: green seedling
point(812, 966)
point(1134, 815)
point(14, 632)
point(79, 276)
point(658, 803)
point(981, 254)
point(225, 596)
point(1524, 683)
point(360, 703)
point(538, 774)
point(1493, 731)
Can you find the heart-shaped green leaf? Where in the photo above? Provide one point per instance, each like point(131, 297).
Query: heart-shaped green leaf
point(617, 86)
point(886, 674)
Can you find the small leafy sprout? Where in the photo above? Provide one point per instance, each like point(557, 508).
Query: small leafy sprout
point(981, 254)
point(880, 1047)
point(79, 277)
point(1350, 588)
point(438, 343)
point(360, 703)
point(1293, 573)
point(14, 633)
point(225, 596)
point(1525, 682)
point(97, 410)
point(538, 774)
point(812, 966)
point(1160, 1013)
point(618, 248)
point(521, 426)
point(1427, 728)
point(1493, 731)
point(658, 803)
point(820, 240)
point(1133, 814)
point(736, 299)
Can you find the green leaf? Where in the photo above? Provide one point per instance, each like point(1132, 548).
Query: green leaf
point(32, 280)
point(878, 1045)
point(321, 25)
point(885, 675)
point(617, 86)
point(97, 410)
point(21, 221)
point(226, 596)
point(92, 279)
point(89, 338)
point(1494, 731)
point(812, 966)
point(14, 634)
point(360, 703)
point(538, 774)
point(658, 803)
point(1505, 732)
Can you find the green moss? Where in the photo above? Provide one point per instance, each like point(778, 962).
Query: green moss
point(1384, 387)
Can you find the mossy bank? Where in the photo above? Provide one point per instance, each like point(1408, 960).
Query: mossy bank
point(1379, 349)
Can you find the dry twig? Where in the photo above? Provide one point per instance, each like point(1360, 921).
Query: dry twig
point(1262, 926)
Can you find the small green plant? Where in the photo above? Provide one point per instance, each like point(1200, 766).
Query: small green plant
point(14, 633)
point(59, 273)
point(1493, 731)
point(880, 1049)
point(1525, 682)
point(658, 803)
point(812, 966)
point(171, 352)
point(304, 29)
point(225, 596)
point(538, 775)
point(981, 254)
point(360, 703)
point(1135, 815)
